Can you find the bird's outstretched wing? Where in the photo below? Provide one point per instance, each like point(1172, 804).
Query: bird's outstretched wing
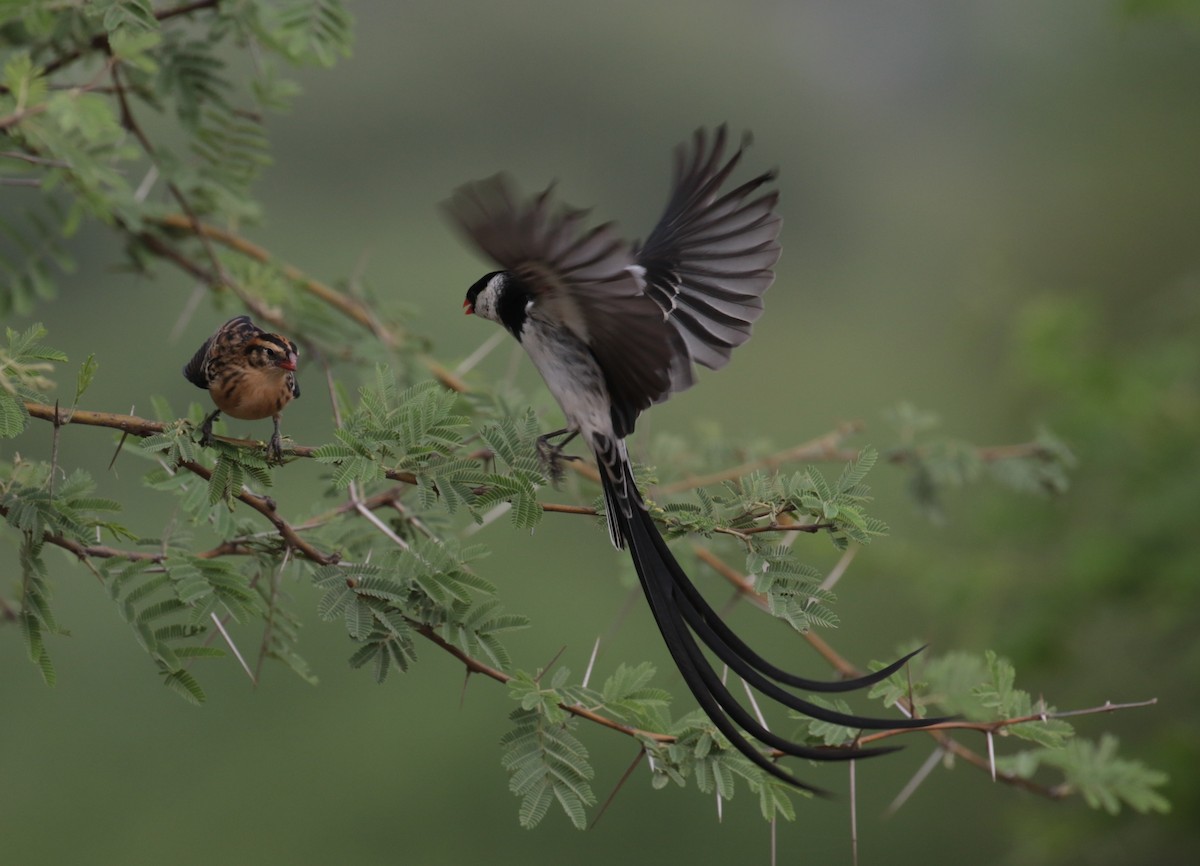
point(709, 259)
point(585, 280)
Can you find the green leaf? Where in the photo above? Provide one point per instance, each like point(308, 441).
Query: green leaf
point(312, 31)
point(24, 81)
point(185, 685)
point(1106, 780)
point(134, 48)
point(13, 417)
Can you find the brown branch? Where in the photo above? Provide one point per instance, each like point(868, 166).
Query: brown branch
point(18, 116)
point(474, 665)
point(848, 670)
point(826, 448)
point(290, 536)
point(24, 114)
point(348, 306)
point(266, 507)
point(143, 427)
point(745, 588)
point(558, 508)
point(815, 449)
point(103, 551)
point(997, 725)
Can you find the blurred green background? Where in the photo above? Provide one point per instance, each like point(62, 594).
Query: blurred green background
point(992, 209)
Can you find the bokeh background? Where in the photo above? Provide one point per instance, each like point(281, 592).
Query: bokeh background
point(992, 210)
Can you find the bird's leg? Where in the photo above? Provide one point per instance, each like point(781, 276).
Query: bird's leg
point(551, 455)
point(275, 446)
point(206, 428)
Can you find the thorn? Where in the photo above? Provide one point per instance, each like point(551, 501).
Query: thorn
point(835, 574)
point(54, 449)
point(853, 813)
point(232, 646)
point(546, 669)
point(915, 782)
point(642, 753)
point(991, 741)
point(754, 703)
point(587, 675)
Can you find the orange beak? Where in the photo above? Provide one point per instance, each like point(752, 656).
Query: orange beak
point(468, 308)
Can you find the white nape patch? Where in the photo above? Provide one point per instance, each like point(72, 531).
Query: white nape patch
point(485, 304)
point(529, 305)
point(638, 271)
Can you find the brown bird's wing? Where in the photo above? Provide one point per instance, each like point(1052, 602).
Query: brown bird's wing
point(709, 259)
point(196, 370)
point(236, 332)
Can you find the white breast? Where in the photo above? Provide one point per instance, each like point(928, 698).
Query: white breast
point(572, 375)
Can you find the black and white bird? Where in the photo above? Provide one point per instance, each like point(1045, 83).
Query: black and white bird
point(614, 328)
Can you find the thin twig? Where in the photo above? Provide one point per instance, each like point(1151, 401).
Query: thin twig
point(814, 449)
point(347, 305)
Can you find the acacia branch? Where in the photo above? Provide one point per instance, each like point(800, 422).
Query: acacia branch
point(290, 536)
point(745, 588)
point(474, 665)
point(821, 448)
point(348, 306)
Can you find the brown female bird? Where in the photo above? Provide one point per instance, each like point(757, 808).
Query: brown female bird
point(249, 373)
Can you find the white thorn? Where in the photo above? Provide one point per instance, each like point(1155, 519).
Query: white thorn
point(232, 646)
point(587, 675)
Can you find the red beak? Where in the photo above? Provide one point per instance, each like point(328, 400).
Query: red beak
point(468, 308)
point(289, 363)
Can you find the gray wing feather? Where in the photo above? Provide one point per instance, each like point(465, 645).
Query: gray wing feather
point(709, 259)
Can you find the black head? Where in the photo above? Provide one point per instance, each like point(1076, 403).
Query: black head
point(473, 292)
point(502, 297)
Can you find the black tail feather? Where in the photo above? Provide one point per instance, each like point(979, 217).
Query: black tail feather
point(679, 611)
point(730, 649)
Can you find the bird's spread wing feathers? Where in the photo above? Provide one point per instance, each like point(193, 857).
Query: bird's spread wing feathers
point(709, 259)
point(586, 281)
point(539, 237)
point(689, 295)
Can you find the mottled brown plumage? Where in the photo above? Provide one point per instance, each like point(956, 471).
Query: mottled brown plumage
point(249, 373)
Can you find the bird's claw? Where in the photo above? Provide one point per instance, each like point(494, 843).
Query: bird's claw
point(275, 450)
point(552, 457)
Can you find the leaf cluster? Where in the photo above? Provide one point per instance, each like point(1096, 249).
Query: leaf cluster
point(426, 585)
point(24, 365)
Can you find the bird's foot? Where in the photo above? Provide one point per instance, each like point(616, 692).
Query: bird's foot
point(206, 433)
point(551, 455)
point(275, 449)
